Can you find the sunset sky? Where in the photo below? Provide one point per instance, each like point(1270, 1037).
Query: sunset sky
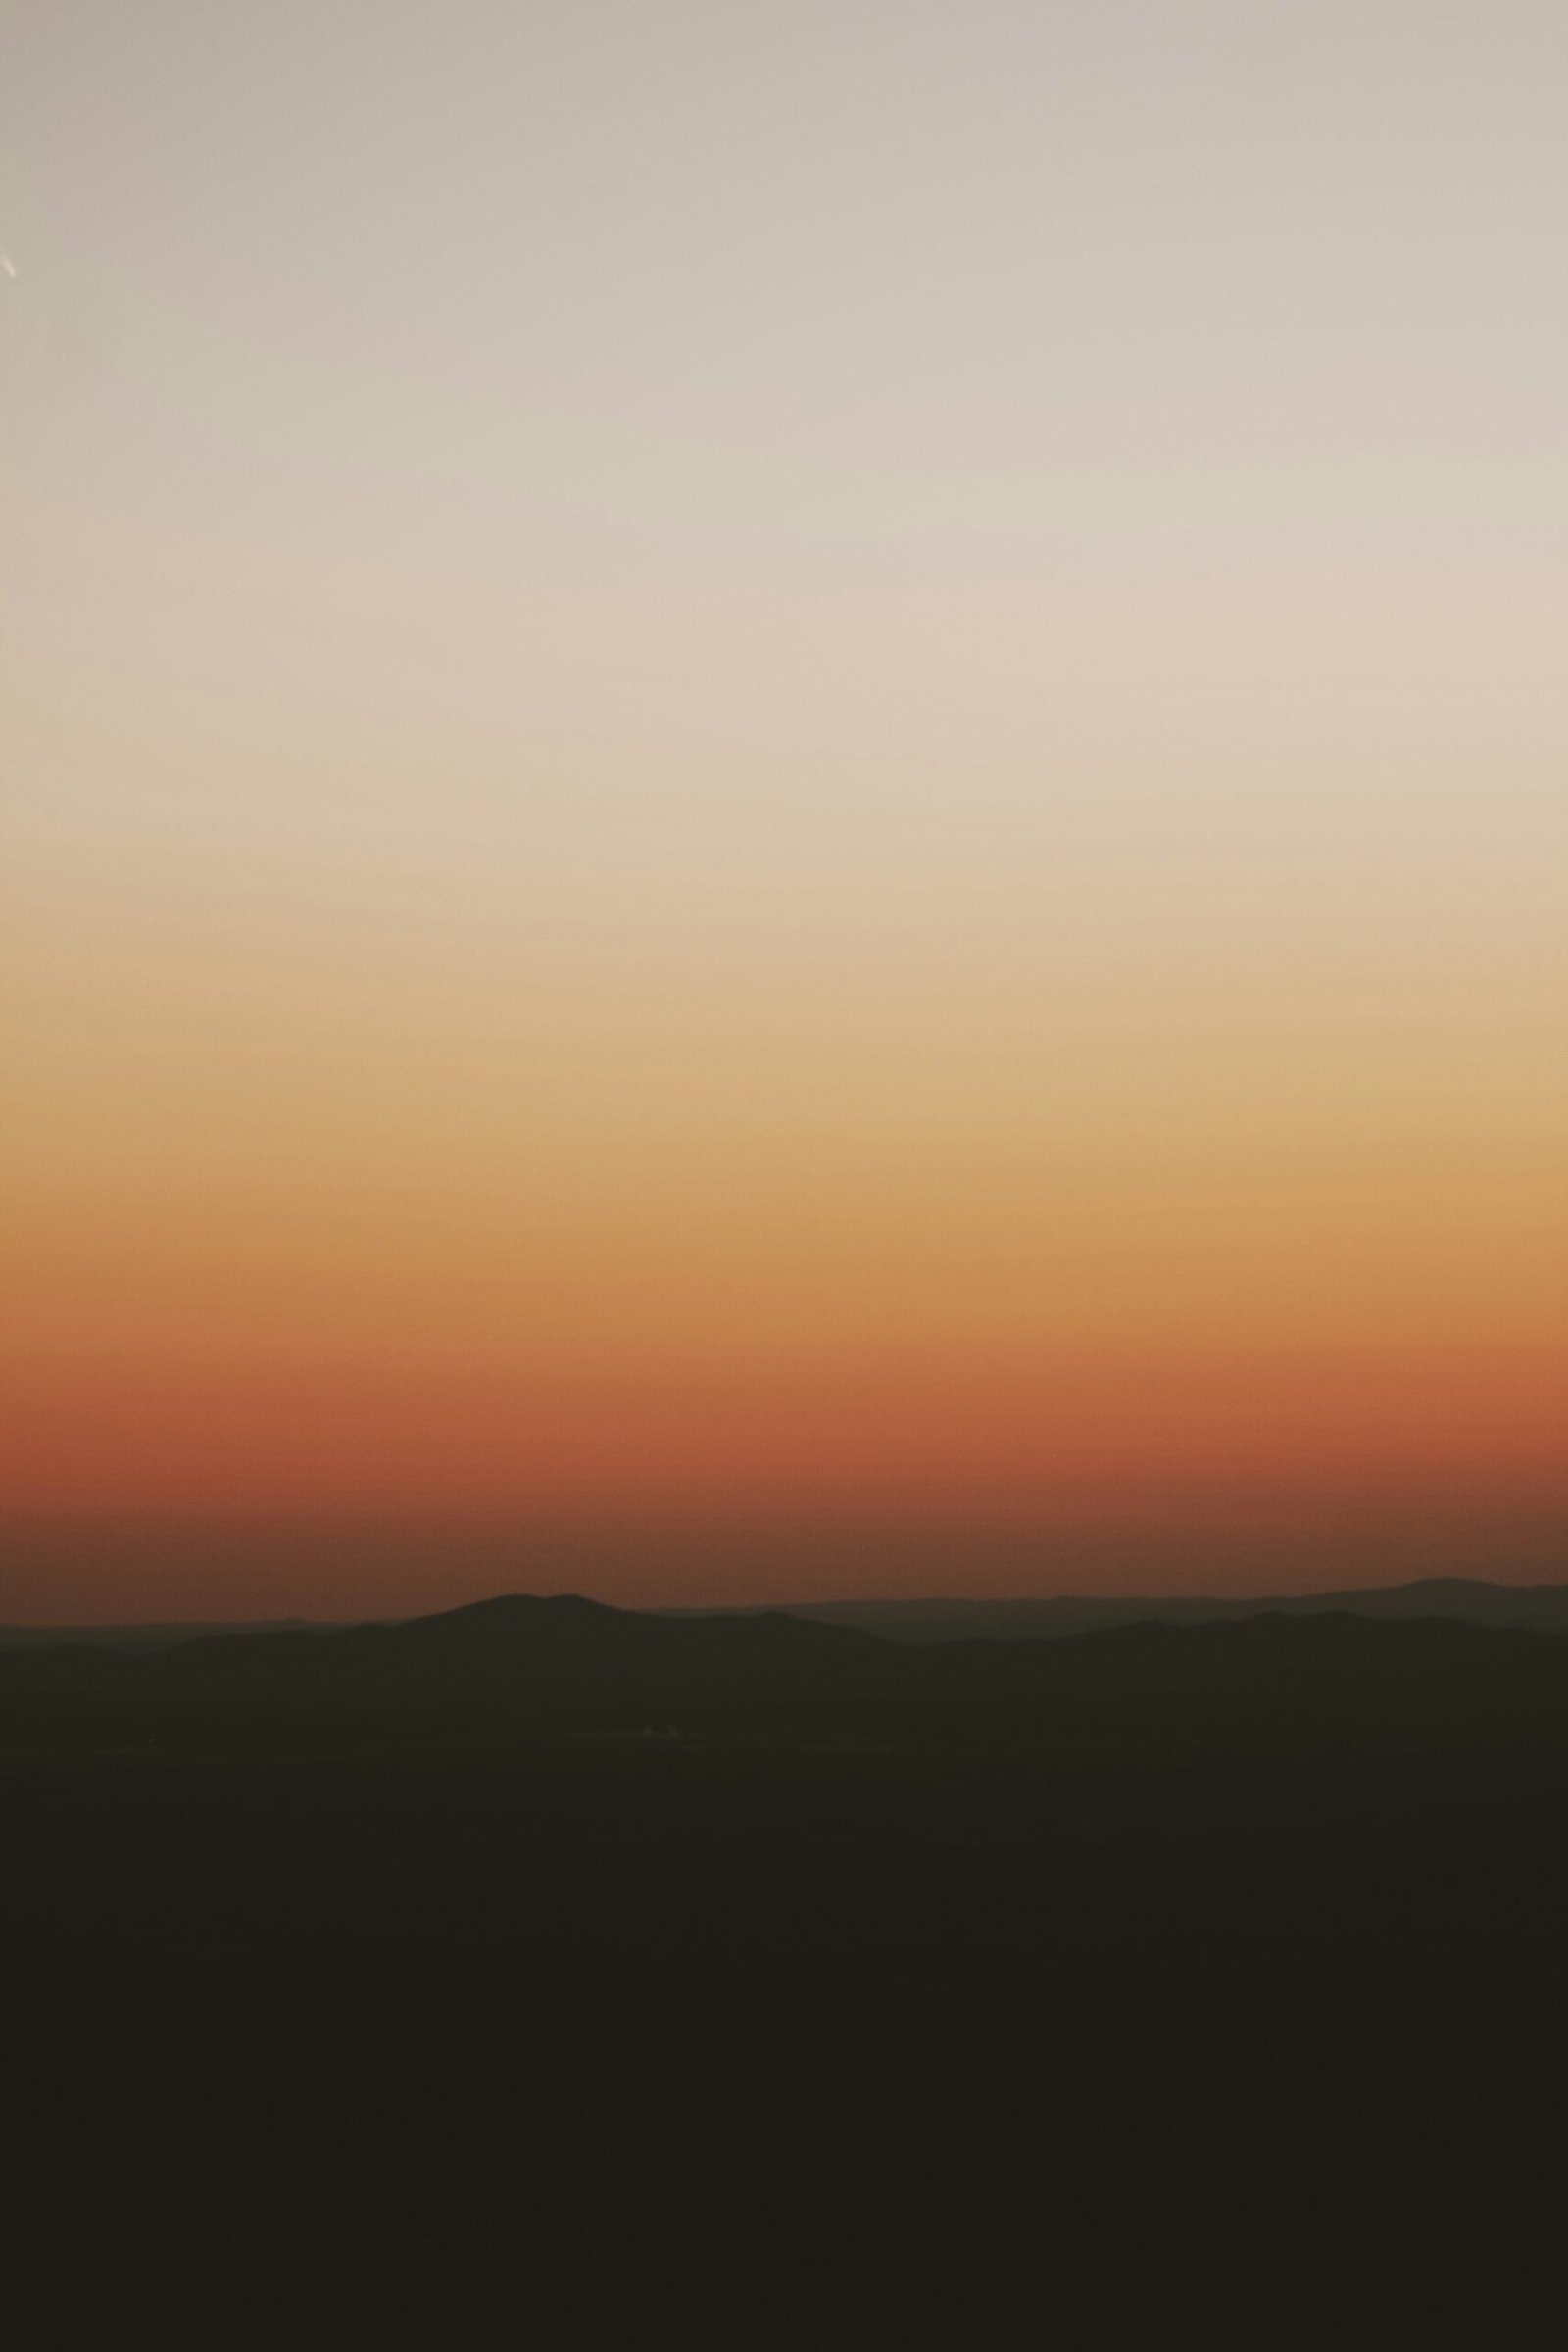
point(785, 796)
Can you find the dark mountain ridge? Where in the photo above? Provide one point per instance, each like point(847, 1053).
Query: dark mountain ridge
point(1543, 1607)
point(1473, 1600)
point(391, 1981)
point(556, 1654)
point(551, 1663)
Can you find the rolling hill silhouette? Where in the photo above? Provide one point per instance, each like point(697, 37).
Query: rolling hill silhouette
point(544, 1664)
point(557, 1644)
point(1473, 1600)
point(1539, 1607)
point(394, 1978)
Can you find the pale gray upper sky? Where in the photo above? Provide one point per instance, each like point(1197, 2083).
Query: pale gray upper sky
point(594, 335)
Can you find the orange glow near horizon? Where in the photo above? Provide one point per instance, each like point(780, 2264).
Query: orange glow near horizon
point(1176, 1184)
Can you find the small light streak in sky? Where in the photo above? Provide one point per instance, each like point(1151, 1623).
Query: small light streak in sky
point(8, 264)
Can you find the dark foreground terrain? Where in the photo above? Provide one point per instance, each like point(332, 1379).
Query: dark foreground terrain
point(543, 1974)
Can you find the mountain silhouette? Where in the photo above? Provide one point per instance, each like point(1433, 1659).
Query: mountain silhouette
point(536, 1662)
point(1474, 1600)
point(556, 1652)
point(392, 1979)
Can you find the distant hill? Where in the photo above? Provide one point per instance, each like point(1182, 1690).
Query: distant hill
point(134, 1638)
point(556, 1653)
point(563, 1666)
point(1540, 1608)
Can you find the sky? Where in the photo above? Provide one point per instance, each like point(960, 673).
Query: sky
point(785, 798)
